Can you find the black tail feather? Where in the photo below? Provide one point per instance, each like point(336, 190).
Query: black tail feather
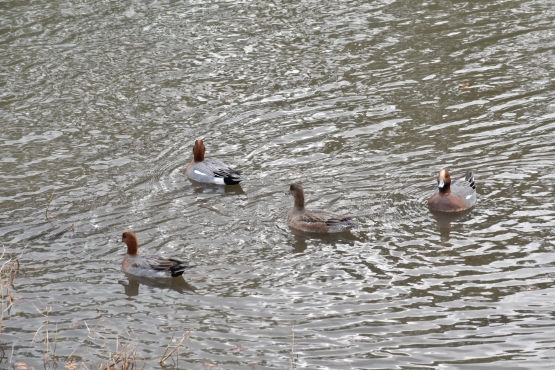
point(180, 268)
point(470, 179)
point(232, 179)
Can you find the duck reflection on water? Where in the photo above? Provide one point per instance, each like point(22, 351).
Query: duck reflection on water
point(303, 238)
point(131, 287)
point(444, 220)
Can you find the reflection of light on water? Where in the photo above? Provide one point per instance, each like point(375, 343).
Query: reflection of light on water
point(104, 116)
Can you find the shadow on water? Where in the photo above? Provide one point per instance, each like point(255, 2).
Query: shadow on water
point(302, 238)
point(131, 289)
point(200, 188)
point(444, 220)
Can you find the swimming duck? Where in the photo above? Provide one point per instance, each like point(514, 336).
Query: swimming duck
point(149, 265)
point(316, 220)
point(212, 171)
point(454, 197)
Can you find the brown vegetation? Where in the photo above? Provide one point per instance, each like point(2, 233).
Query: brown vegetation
point(125, 356)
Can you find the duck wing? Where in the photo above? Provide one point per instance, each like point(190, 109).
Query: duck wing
point(217, 168)
point(173, 266)
point(312, 218)
point(331, 219)
point(466, 189)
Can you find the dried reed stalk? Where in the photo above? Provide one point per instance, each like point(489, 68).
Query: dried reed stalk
point(48, 353)
point(167, 355)
point(48, 206)
point(293, 348)
point(90, 332)
point(125, 357)
point(8, 271)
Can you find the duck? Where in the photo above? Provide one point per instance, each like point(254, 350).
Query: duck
point(316, 220)
point(211, 171)
point(149, 265)
point(455, 197)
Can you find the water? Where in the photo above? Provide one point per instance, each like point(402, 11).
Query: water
point(361, 102)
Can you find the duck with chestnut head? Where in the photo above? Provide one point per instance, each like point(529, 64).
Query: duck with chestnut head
point(210, 171)
point(149, 265)
point(454, 196)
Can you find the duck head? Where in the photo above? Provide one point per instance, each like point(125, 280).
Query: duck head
point(444, 180)
point(129, 238)
point(198, 150)
point(296, 190)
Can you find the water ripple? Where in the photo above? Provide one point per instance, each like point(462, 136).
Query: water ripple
point(361, 103)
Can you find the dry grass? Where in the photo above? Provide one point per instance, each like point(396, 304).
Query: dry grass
point(48, 207)
point(49, 349)
point(293, 347)
point(125, 356)
point(9, 269)
point(175, 349)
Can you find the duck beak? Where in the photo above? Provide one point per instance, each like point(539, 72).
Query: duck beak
point(120, 240)
point(287, 192)
point(441, 184)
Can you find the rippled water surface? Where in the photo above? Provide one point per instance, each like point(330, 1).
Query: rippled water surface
point(361, 102)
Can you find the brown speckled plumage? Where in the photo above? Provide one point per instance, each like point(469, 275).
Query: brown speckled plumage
point(317, 220)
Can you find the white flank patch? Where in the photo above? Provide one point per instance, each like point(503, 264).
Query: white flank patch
point(199, 173)
point(219, 181)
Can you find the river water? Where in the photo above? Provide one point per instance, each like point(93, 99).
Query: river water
point(362, 102)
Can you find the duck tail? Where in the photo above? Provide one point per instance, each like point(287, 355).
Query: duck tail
point(348, 223)
point(179, 268)
point(469, 177)
point(233, 178)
